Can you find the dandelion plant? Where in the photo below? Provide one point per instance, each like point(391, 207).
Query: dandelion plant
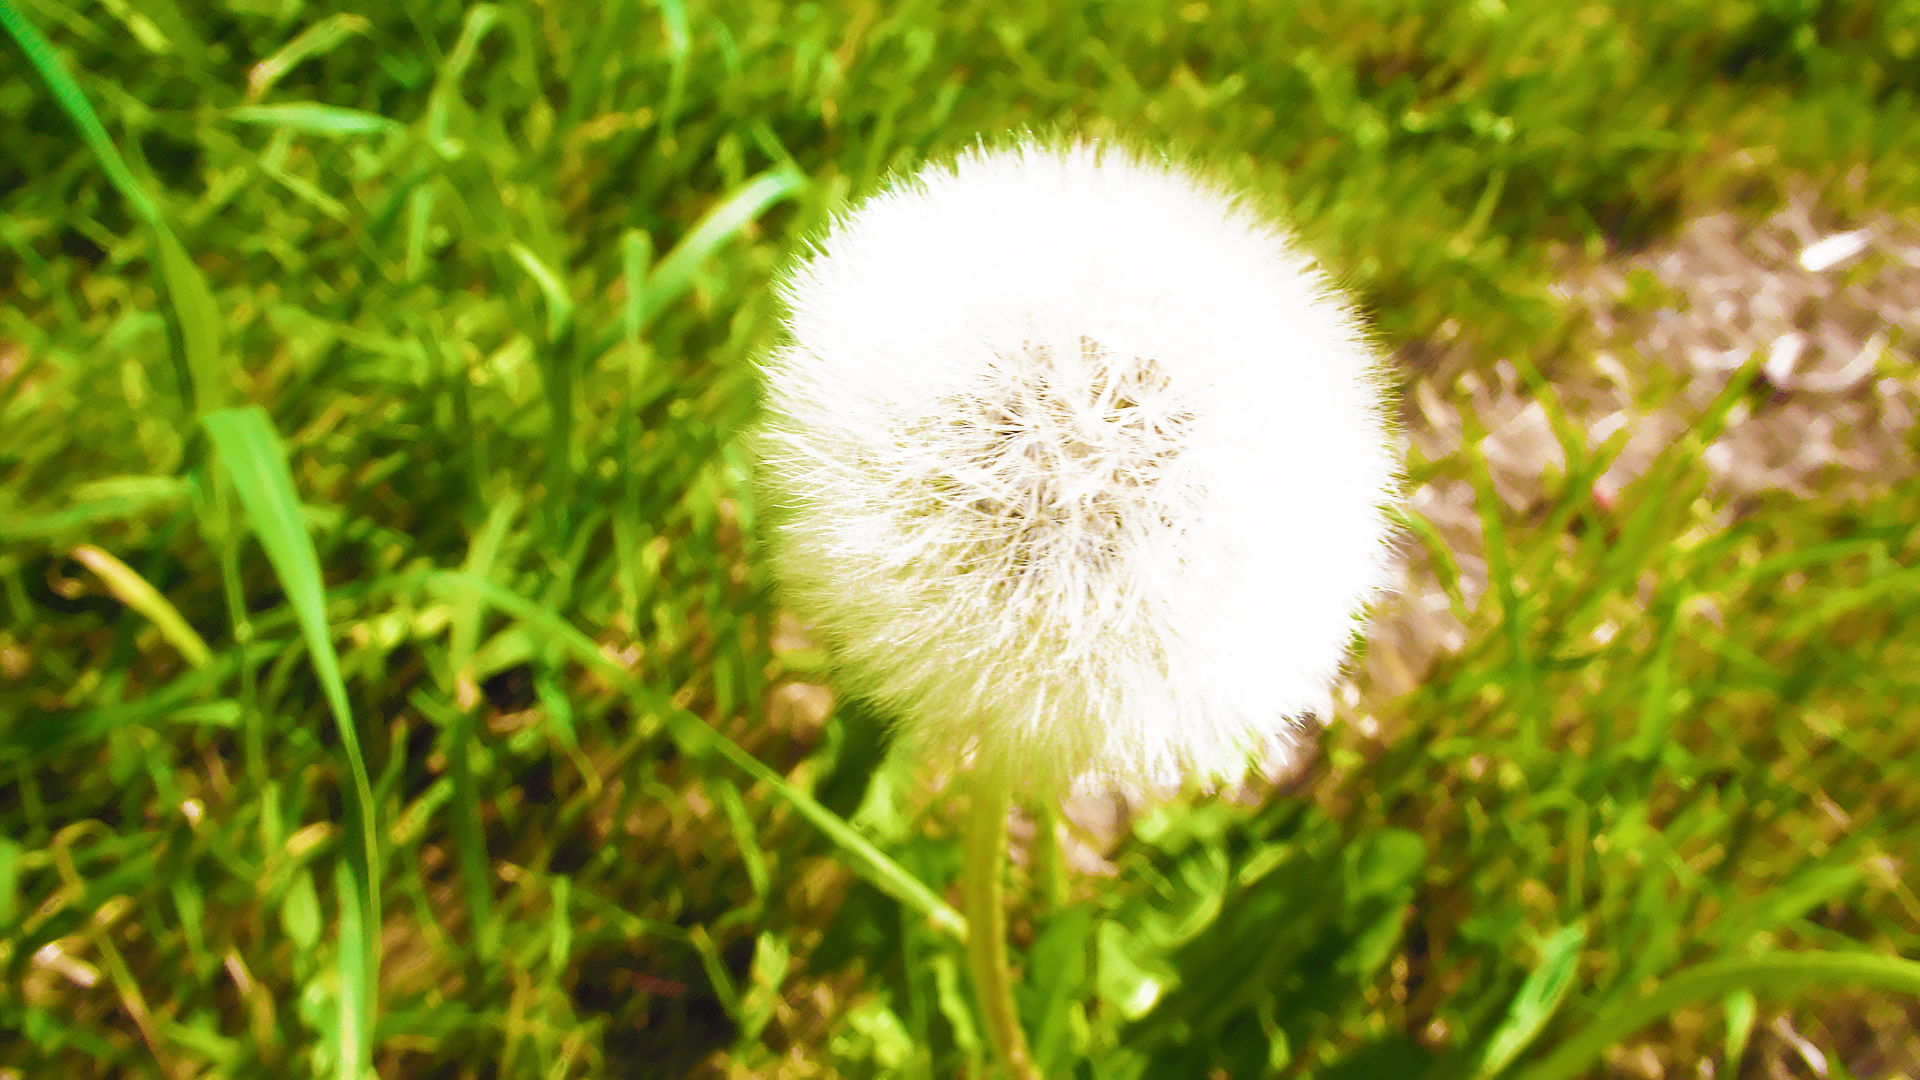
point(1081, 467)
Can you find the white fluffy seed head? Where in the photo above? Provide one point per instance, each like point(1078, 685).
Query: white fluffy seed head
point(1079, 465)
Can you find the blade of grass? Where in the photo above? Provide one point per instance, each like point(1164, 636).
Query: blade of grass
point(67, 92)
point(697, 740)
point(1781, 973)
point(132, 1000)
point(84, 512)
point(1671, 479)
point(1537, 1000)
point(45, 732)
point(134, 591)
point(559, 304)
point(470, 840)
point(1739, 1007)
point(314, 118)
point(358, 979)
point(1656, 703)
point(636, 254)
point(745, 836)
point(186, 289)
point(257, 465)
point(316, 40)
point(1445, 569)
point(1500, 574)
point(674, 275)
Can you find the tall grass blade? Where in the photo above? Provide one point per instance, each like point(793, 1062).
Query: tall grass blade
point(314, 118)
point(697, 740)
point(67, 92)
point(134, 591)
point(187, 290)
point(316, 40)
point(636, 254)
point(257, 466)
point(1539, 997)
point(559, 303)
point(674, 275)
point(1782, 973)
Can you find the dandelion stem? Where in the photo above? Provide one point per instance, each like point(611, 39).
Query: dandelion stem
point(987, 925)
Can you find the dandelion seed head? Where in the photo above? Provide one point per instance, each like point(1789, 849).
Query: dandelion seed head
point(1078, 462)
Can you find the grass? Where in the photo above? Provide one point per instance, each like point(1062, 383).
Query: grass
point(389, 676)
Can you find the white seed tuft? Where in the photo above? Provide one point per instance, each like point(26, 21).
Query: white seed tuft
point(1079, 463)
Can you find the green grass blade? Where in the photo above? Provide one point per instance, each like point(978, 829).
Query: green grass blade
point(636, 253)
point(313, 118)
point(1500, 566)
point(745, 836)
point(199, 322)
point(186, 288)
point(675, 273)
point(67, 92)
point(1739, 1007)
point(82, 513)
point(1656, 706)
point(169, 702)
point(1445, 569)
point(1785, 972)
point(358, 982)
point(1539, 997)
point(257, 465)
point(696, 739)
point(316, 40)
point(559, 303)
point(135, 592)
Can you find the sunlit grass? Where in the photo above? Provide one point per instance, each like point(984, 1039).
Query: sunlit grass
point(378, 557)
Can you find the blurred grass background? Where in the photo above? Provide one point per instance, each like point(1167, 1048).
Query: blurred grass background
point(497, 277)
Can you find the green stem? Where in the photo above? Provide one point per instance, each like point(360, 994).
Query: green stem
point(1049, 860)
point(987, 926)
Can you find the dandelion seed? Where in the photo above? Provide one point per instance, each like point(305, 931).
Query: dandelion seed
point(1080, 462)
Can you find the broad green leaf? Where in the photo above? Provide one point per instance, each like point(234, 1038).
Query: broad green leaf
point(954, 1004)
point(1122, 976)
point(1057, 971)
